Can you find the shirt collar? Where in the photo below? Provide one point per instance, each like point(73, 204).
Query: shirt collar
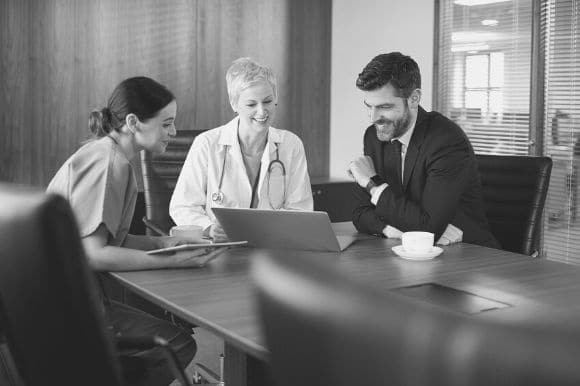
point(229, 134)
point(405, 139)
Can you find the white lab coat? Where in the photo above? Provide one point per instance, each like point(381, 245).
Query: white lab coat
point(191, 202)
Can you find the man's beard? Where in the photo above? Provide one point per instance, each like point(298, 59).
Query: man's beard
point(393, 129)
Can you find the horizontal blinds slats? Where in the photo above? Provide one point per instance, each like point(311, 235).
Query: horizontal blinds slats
point(496, 119)
point(561, 34)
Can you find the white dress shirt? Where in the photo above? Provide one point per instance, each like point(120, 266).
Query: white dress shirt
point(191, 202)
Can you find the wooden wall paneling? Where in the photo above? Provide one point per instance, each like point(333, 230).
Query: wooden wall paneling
point(228, 30)
point(309, 65)
point(211, 99)
point(181, 75)
point(64, 108)
point(294, 39)
point(61, 59)
point(147, 38)
point(44, 86)
point(14, 112)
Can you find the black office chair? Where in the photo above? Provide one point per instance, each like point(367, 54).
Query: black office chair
point(9, 375)
point(160, 173)
point(322, 328)
point(514, 193)
point(49, 304)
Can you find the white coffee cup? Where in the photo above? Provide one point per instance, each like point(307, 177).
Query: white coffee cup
point(417, 242)
point(193, 232)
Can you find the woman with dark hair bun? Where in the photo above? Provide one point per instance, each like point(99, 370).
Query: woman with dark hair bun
point(99, 183)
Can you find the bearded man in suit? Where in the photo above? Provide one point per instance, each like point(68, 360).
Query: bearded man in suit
point(418, 171)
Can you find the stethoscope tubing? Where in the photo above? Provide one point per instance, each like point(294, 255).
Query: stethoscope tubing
point(218, 196)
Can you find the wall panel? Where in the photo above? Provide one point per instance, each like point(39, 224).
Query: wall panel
point(61, 58)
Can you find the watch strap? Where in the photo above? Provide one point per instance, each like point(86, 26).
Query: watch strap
point(369, 186)
point(375, 180)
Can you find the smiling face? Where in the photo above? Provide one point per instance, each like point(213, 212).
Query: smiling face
point(256, 107)
point(154, 134)
point(390, 113)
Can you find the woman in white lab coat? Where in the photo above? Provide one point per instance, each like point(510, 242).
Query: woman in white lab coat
point(245, 163)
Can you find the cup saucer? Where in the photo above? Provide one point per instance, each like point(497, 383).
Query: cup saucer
point(433, 253)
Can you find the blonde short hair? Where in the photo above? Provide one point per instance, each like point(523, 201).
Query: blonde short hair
point(246, 72)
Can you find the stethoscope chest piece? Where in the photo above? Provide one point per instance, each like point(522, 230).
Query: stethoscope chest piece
point(218, 197)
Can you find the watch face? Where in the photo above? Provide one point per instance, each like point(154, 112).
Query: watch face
point(377, 180)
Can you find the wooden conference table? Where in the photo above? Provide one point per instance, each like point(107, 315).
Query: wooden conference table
point(219, 296)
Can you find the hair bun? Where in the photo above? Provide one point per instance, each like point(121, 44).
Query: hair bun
point(100, 122)
point(106, 114)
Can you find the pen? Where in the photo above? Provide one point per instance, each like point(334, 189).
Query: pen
point(221, 381)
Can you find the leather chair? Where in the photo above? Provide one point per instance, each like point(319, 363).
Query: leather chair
point(323, 328)
point(514, 194)
point(160, 173)
point(9, 375)
point(49, 303)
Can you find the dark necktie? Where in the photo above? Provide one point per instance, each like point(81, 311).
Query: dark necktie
point(392, 164)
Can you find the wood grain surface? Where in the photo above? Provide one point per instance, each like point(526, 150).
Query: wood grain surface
point(60, 59)
point(219, 297)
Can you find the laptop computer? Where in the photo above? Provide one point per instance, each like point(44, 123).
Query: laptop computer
point(283, 229)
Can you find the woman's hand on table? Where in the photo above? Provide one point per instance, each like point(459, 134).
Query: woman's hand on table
point(216, 232)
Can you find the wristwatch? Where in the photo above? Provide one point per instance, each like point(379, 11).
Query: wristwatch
point(375, 180)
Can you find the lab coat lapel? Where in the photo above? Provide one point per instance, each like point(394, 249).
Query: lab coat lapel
point(236, 172)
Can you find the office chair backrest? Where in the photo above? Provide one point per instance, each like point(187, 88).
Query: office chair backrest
point(514, 193)
point(160, 173)
point(324, 329)
point(50, 307)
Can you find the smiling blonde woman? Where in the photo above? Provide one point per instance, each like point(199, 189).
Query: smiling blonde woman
point(245, 163)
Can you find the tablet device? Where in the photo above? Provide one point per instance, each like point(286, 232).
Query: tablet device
point(187, 247)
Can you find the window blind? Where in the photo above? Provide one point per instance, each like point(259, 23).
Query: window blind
point(561, 37)
point(484, 71)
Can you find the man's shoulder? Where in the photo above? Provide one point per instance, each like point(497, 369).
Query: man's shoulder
point(441, 127)
point(441, 122)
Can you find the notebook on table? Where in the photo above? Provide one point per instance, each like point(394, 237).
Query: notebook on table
point(284, 229)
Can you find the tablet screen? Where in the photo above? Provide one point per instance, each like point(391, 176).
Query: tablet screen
point(187, 247)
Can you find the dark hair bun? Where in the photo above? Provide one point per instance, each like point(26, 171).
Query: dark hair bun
point(100, 122)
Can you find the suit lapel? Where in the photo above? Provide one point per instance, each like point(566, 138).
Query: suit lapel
point(415, 146)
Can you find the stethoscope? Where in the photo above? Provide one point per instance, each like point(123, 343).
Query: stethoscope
point(218, 197)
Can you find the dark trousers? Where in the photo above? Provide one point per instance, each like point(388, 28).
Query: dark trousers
point(149, 367)
point(140, 367)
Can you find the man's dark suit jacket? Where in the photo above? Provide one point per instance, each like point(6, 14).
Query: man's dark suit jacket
point(441, 184)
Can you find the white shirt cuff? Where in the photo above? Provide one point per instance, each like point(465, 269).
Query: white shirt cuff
point(451, 235)
point(392, 232)
point(376, 193)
